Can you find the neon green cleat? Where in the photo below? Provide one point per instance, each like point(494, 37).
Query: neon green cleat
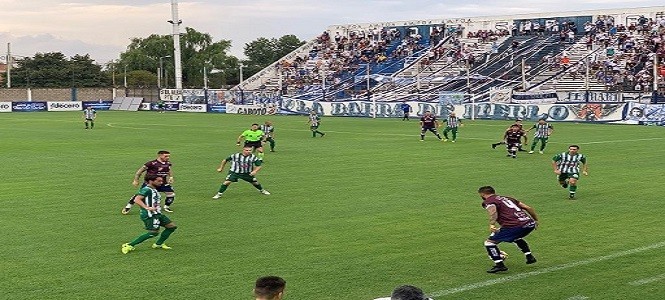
point(162, 246)
point(126, 248)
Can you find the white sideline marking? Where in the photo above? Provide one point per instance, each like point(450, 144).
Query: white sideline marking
point(578, 298)
point(648, 280)
point(482, 284)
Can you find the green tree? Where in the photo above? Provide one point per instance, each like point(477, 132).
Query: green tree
point(263, 52)
point(55, 70)
point(197, 50)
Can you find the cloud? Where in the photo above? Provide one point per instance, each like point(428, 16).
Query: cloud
point(104, 28)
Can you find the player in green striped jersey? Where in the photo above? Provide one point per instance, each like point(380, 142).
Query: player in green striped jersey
point(148, 199)
point(314, 121)
point(542, 134)
point(244, 165)
point(567, 166)
point(89, 114)
point(452, 123)
point(269, 134)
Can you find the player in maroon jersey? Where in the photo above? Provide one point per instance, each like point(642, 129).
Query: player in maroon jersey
point(513, 140)
point(515, 219)
point(428, 122)
point(162, 168)
point(518, 123)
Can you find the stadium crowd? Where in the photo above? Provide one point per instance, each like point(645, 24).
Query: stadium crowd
point(338, 57)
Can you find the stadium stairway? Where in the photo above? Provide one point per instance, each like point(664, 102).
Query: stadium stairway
point(561, 80)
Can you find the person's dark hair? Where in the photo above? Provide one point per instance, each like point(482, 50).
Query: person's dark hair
point(269, 287)
point(486, 190)
point(407, 292)
point(255, 124)
point(160, 152)
point(151, 177)
point(576, 147)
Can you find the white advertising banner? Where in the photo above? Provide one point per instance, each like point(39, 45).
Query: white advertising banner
point(199, 108)
point(5, 107)
point(65, 106)
point(170, 95)
point(144, 106)
point(269, 109)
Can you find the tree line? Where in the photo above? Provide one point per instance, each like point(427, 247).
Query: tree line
point(138, 66)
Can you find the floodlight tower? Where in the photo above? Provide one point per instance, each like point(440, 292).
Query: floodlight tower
point(175, 21)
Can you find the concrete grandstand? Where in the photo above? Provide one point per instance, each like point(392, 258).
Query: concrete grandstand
point(600, 50)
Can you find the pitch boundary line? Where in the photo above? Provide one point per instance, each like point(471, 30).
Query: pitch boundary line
point(648, 280)
point(547, 270)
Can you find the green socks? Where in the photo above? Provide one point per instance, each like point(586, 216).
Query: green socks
point(223, 188)
point(572, 188)
point(258, 186)
point(165, 235)
point(142, 238)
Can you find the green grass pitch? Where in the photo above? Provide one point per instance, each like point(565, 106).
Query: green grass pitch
point(351, 216)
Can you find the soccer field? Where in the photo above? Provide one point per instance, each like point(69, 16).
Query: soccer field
point(351, 216)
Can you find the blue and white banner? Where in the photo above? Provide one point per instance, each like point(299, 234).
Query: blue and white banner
point(453, 98)
point(5, 107)
point(360, 108)
point(65, 106)
point(581, 112)
point(217, 108)
point(645, 113)
point(168, 106)
point(26, 106)
point(98, 105)
point(535, 97)
point(595, 112)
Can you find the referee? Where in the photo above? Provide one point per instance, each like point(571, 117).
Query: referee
point(254, 138)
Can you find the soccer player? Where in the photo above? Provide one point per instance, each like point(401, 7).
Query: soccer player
point(254, 139)
point(428, 122)
point(406, 108)
point(148, 199)
point(567, 166)
point(513, 140)
point(269, 132)
point(515, 219)
point(452, 123)
point(314, 121)
point(542, 134)
point(161, 106)
point(269, 288)
point(89, 115)
point(244, 165)
point(408, 292)
point(160, 167)
point(518, 123)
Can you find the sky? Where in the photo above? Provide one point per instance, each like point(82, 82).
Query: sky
point(104, 28)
